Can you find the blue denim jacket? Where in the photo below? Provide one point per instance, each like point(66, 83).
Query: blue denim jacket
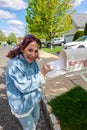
point(23, 84)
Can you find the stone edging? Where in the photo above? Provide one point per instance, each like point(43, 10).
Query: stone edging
point(54, 123)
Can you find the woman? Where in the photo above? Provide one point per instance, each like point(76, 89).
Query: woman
point(24, 81)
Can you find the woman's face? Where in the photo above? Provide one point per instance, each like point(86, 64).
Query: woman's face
point(31, 52)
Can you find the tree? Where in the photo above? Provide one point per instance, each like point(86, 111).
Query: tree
point(85, 29)
point(48, 18)
point(20, 39)
point(2, 36)
point(12, 38)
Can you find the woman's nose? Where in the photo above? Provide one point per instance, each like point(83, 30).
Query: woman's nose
point(33, 54)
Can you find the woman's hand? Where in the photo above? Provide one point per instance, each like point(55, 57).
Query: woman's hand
point(46, 69)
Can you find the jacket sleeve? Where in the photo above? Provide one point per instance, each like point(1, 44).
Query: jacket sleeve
point(22, 82)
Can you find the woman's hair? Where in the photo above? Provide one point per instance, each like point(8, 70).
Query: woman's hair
point(26, 41)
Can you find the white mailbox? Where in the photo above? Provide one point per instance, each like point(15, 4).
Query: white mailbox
point(70, 62)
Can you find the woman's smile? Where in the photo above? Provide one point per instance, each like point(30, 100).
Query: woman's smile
point(31, 52)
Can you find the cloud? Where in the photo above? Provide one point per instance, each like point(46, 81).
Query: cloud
point(13, 4)
point(78, 2)
point(10, 22)
point(16, 23)
point(6, 15)
point(15, 26)
point(14, 30)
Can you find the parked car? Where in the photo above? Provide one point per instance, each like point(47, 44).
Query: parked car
point(79, 43)
point(54, 42)
point(46, 43)
point(58, 41)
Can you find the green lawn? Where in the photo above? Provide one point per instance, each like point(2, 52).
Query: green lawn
point(55, 50)
point(71, 109)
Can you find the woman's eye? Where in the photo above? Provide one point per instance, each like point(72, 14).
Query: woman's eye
point(30, 50)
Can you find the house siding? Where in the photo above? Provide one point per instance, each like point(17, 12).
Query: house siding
point(78, 23)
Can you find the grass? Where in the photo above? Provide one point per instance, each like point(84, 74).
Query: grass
point(71, 109)
point(55, 50)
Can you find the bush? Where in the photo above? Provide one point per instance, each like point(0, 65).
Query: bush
point(85, 29)
point(78, 34)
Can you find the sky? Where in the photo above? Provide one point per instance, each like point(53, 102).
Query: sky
point(12, 15)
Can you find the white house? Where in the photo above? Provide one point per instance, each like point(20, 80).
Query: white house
point(78, 22)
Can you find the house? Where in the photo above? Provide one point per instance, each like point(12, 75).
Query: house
point(78, 23)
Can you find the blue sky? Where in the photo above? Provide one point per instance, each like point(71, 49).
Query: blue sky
point(12, 15)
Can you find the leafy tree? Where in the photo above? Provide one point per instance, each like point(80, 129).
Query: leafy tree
point(12, 38)
point(2, 36)
point(85, 29)
point(48, 18)
point(20, 39)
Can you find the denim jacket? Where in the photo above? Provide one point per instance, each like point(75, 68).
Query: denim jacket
point(23, 84)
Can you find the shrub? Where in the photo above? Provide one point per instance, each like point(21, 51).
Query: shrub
point(85, 29)
point(78, 34)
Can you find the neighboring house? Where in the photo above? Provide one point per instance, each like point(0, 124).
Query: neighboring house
point(78, 23)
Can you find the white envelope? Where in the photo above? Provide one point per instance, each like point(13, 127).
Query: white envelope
point(58, 68)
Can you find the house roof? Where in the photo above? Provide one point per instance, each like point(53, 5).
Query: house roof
point(79, 19)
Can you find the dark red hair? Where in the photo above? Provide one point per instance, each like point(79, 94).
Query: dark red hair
point(26, 41)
